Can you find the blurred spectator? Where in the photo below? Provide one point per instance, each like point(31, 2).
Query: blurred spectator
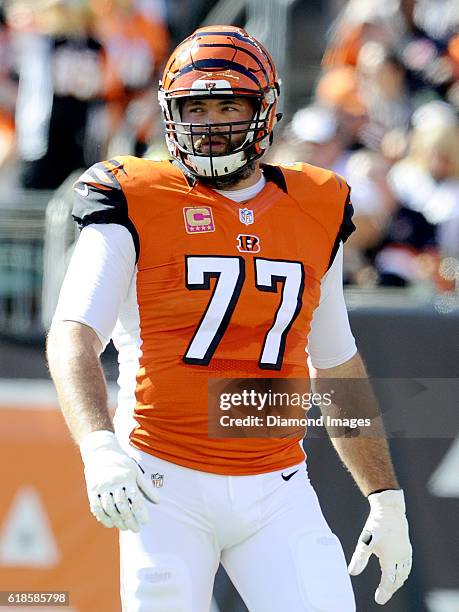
point(370, 99)
point(426, 185)
point(427, 180)
point(337, 89)
point(427, 49)
point(383, 87)
point(87, 69)
point(360, 22)
point(8, 91)
point(61, 67)
point(135, 37)
point(438, 18)
point(153, 10)
point(408, 239)
point(374, 205)
point(316, 139)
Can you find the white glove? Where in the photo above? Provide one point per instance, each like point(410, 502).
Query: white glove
point(115, 483)
point(386, 535)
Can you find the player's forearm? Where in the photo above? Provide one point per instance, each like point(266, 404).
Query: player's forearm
point(364, 451)
point(368, 460)
point(77, 374)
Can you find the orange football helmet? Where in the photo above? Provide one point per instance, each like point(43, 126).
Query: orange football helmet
point(219, 61)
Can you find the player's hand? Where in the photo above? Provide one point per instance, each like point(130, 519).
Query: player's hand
point(385, 534)
point(116, 485)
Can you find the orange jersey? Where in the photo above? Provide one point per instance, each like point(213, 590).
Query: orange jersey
point(224, 290)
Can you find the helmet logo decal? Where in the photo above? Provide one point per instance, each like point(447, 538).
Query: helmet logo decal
point(209, 85)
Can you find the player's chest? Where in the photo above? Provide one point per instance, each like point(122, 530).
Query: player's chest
point(237, 278)
point(274, 227)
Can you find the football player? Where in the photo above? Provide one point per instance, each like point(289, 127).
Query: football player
point(215, 266)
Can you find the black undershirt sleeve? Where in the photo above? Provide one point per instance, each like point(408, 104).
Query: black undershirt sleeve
point(345, 229)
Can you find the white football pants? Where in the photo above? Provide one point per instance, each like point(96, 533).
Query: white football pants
point(268, 533)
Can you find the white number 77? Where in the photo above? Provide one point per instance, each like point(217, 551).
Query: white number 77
point(230, 275)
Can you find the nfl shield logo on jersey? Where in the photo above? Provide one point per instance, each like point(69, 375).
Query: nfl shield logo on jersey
point(157, 479)
point(246, 216)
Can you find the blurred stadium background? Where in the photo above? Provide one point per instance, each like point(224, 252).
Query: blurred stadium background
point(370, 89)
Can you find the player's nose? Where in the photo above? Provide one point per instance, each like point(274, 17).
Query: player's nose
point(214, 116)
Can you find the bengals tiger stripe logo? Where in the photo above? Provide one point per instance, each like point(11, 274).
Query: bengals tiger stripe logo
point(248, 243)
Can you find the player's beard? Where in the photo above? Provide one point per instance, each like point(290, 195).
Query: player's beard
point(226, 182)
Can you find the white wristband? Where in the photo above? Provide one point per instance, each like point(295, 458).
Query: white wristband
point(391, 498)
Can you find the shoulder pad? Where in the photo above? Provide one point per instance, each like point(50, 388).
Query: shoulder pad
point(99, 197)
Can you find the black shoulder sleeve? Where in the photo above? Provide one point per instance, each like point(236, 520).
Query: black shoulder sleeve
point(99, 198)
point(345, 229)
point(274, 173)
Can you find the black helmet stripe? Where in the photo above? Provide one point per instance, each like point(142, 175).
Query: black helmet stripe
point(216, 64)
point(239, 37)
point(252, 55)
point(232, 34)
